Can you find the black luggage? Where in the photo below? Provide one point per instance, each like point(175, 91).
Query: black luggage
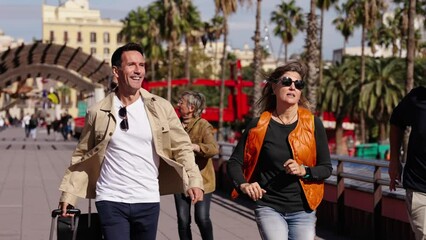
point(80, 227)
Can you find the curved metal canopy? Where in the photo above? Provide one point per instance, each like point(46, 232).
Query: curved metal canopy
point(61, 63)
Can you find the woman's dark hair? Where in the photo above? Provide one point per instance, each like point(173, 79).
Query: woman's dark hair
point(116, 56)
point(267, 101)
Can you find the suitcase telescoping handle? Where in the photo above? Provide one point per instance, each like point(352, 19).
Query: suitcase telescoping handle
point(58, 212)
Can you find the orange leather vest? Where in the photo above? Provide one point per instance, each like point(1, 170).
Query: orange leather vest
point(303, 145)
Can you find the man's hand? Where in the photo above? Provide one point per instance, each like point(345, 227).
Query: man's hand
point(195, 194)
point(64, 206)
point(394, 174)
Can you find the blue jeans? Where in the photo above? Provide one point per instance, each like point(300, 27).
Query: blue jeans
point(274, 225)
point(123, 221)
point(202, 217)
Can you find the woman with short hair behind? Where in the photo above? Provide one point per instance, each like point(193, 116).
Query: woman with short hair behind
point(190, 105)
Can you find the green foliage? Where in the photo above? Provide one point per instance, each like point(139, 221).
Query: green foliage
point(383, 89)
point(247, 73)
point(420, 72)
point(340, 88)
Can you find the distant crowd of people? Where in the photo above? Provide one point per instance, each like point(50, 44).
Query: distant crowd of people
point(61, 128)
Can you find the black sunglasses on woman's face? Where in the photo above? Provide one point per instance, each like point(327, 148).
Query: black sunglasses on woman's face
point(124, 124)
point(287, 81)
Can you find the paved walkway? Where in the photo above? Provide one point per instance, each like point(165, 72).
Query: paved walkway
point(30, 172)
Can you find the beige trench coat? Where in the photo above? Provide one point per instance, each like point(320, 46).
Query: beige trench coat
point(177, 173)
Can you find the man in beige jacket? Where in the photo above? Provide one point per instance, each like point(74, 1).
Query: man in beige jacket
point(132, 149)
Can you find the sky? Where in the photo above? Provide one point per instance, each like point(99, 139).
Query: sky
point(22, 19)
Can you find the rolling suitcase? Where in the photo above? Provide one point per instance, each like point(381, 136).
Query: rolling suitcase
point(80, 227)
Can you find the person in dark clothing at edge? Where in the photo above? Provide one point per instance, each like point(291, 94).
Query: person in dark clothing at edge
point(411, 111)
point(282, 158)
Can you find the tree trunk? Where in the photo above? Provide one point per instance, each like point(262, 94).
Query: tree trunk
point(320, 47)
point(340, 145)
point(187, 63)
point(285, 53)
point(279, 54)
point(312, 56)
point(152, 71)
point(257, 61)
point(410, 47)
point(169, 72)
point(362, 113)
point(222, 83)
point(410, 66)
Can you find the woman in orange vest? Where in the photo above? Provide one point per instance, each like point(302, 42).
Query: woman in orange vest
point(282, 158)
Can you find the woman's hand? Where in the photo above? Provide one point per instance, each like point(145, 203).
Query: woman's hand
point(196, 147)
point(293, 168)
point(253, 190)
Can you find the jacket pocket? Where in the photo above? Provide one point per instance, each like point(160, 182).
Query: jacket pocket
point(165, 128)
point(165, 135)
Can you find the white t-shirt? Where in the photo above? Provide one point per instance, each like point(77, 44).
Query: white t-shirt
point(26, 119)
point(129, 171)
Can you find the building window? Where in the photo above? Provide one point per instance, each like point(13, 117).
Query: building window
point(52, 36)
point(106, 55)
point(119, 38)
point(106, 37)
point(93, 51)
point(65, 36)
point(92, 37)
point(79, 39)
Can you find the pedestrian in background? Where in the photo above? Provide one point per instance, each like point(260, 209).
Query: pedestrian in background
point(64, 125)
point(410, 112)
point(282, 158)
point(132, 149)
point(2, 123)
point(190, 105)
point(33, 124)
point(49, 119)
point(26, 124)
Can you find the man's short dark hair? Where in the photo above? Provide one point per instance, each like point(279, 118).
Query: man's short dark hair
point(116, 56)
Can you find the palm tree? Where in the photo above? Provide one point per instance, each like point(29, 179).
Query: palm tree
point(257, 57)
point(340, 93)
point(382, 90)
point(312, 57)
point(135, 25)
point(140, 26)
point(410, 46)
point(192, 28)
point(389, 34)
point(171, 32)
point(419, 71)
point(152, 44)
point(289, 20)
point(226, 7)
point(364, 13)
point(324, 5)
point(402, 16)
point(344, 24)
point(214, 29)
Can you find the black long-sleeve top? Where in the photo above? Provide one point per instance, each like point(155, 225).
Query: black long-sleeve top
point(283, 191)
